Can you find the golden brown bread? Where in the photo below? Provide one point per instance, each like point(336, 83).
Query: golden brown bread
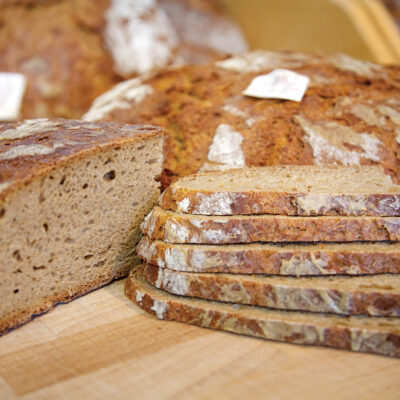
point(349, 115)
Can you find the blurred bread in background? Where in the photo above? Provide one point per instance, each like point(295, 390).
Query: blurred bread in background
point(71, 51)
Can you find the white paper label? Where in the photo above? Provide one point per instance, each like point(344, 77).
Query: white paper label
point(278, 84)
point(12, 87)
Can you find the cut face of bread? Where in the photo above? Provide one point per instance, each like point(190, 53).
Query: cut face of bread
point(73, 196)
point(380, 335)
point(187, 228)
point(377, 295)
point(275, 258)
point(287, 190)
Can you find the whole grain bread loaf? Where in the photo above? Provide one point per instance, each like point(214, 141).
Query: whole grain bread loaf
point(204, 229)
point(287, 190)
point(376, 295)
point(349, 115)
point(360, 258)
point(380, 335)
point(71, 51)
point(72, 196)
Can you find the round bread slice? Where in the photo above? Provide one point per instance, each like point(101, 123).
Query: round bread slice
point(359, 258)
point(379, 335)
point(377, 295)
point(204, 229)
point(286, 190)
point(72, 196)
point(349, 115)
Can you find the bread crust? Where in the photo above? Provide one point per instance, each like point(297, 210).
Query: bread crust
point(300, 260)
point(377, 335)
point(204, 201)
point(185, 228)
point(64, 139)
point(375, 296)
point(342, 119)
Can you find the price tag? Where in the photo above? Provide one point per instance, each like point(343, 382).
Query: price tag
point(12, 87)
point(278, 84)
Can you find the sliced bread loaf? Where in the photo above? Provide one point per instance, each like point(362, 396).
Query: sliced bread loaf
point(380, 335)
point(377, 295)
point(186, 228)
point(72, 196)
point(287, 190)
point(275, 258)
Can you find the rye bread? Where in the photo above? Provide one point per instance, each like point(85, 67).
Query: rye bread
point(72, 196)
point(286, 190)
point(377, 295)
point(186, 228)
point(349, 115)
point(298, 259)
point(380, 335)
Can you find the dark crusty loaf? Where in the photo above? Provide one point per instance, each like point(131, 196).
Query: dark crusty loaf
point(380, 335)
point(72, 196)
point(377, 295)
point(287, 190)
point(350, 114)
point(72, 51)
point(187, 228)
point(275, 258)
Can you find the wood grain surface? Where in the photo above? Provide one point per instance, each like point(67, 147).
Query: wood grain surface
point(101, 346)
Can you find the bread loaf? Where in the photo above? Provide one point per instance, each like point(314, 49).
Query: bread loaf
point(380, 335)
point(71, 51)
point(360, 258)
point(349, 115)
point(187, 228)
point(377, 295)
point(287, 190)
point(72, 196)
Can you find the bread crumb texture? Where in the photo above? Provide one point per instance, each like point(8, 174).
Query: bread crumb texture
point(72, 196)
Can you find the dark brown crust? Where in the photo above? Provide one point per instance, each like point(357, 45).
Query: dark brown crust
point(379, 335)
point(70, 139)
point(243, 259)
point(186, 228)
point(248, 203)
point(18, 317)
point(270, 292)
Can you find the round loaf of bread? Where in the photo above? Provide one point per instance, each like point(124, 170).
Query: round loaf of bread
point(349, 115)
point(71, 51)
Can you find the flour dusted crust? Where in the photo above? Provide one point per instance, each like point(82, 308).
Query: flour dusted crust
point(274, 259)
point(185, 228)
point(350, 114)
point(380, 335)
point(72, 51)
point(285, 190)
point(376, 295)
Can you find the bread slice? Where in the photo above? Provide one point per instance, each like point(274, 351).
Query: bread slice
point(377, 295)
point(186, 228)
point(275, 258)
point(380, 335)
point(287, 190)
point(72, 196)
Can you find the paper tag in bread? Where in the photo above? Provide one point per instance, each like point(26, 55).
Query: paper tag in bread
point(278, 84)
point(12, 87)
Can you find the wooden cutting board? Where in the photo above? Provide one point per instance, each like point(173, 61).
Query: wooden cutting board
point(101, 346)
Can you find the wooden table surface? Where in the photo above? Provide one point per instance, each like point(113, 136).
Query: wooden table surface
point(101, 346)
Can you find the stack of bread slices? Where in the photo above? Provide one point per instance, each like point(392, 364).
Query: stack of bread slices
point(301, 254)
